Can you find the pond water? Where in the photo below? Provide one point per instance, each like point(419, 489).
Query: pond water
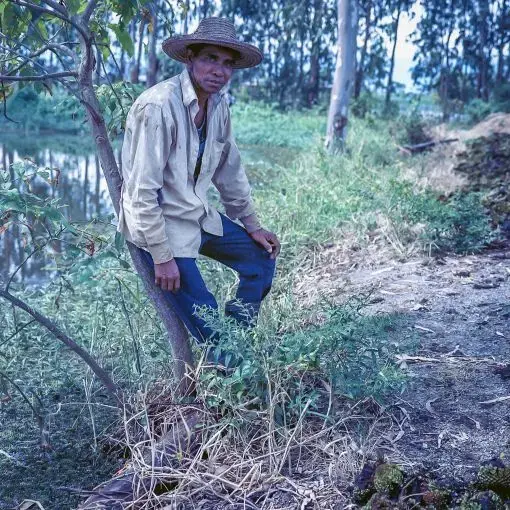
point(81, 186)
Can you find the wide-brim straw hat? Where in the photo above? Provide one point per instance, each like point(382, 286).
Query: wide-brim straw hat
point(218, 32)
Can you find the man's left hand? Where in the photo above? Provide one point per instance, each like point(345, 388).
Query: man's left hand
point(267, 240)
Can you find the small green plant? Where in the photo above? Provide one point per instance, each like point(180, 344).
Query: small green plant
point(347, 351)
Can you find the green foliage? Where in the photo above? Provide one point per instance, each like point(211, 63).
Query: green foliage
point(477, 110)
point(115, 102)
point(352, 353)
point(411, 129)
point(365, 104)
point(40, 220)
point(458, 224)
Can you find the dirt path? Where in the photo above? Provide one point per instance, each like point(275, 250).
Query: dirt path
point(458, 310)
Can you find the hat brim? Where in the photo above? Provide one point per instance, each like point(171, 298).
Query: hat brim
point(250, 56)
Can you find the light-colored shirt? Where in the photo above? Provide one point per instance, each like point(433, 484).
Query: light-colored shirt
point(162, 209)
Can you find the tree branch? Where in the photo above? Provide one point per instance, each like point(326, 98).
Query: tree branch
point(49, 76)
point(88, 11)
point(114, 391)
point(57, 14)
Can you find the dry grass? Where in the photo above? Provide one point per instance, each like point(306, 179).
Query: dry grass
point(247, 458)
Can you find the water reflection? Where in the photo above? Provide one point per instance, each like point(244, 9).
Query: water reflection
point(81, 186)
point(75, 168)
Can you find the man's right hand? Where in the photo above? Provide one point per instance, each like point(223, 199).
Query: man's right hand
point(168, 276)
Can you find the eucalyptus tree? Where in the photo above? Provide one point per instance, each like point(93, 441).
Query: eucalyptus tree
point(86, 27)
point(344, 75)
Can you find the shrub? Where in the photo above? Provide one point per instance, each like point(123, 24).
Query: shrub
point(477, 110)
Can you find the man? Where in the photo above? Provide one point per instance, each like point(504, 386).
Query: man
point(178, 140)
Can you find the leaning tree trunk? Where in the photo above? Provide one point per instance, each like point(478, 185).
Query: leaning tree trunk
point(344, 75)
point(181, 349)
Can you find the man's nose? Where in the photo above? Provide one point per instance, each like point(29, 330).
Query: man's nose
point(221, 70)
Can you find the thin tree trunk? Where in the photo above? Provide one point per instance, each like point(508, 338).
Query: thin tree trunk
point(97, 194)
point(183, 358)
point(122, 64)
point(85, 188)
point(483, 57)
point(316, 32)
point(389, 85)
point(344, 75)
point(205, 8)
point(153, 62)
point(99, 60)
point(358, 85)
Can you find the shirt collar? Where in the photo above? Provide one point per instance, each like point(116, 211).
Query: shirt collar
point(188, 91)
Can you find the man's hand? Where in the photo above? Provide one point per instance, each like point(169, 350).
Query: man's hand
point(168, 276)
point(267, 240)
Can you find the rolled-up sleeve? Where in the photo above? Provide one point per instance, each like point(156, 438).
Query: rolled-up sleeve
point(230, 177)
point(150, 142)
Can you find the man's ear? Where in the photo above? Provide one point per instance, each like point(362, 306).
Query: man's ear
point(189, 56)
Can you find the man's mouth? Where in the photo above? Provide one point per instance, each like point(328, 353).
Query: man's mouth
point(216, 83)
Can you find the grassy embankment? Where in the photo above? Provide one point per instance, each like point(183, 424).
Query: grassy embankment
point(304, 365)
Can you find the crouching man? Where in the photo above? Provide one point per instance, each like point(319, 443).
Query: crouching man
point(178, 141)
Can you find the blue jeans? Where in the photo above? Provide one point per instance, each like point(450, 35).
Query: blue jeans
point(237, 250)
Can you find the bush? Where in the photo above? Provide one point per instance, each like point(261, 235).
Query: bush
point(477, 110)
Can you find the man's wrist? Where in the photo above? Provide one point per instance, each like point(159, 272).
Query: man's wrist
point(251, 223)
point(160, 253)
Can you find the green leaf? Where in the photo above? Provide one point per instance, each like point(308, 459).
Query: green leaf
point(124, 38)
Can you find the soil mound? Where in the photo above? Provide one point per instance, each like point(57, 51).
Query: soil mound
point(494, 123)
point(486, 165)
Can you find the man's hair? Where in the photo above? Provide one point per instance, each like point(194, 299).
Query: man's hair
point(198, 47)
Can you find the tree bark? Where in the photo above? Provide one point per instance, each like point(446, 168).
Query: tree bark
point(344, 75)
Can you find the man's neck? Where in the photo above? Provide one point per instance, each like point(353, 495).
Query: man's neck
point(202, 96)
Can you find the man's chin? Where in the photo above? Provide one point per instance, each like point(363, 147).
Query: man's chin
point(213, 88)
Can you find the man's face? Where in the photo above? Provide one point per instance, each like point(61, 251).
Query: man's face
point(211, 68)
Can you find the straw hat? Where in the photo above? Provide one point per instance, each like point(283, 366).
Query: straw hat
point(218, 32)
